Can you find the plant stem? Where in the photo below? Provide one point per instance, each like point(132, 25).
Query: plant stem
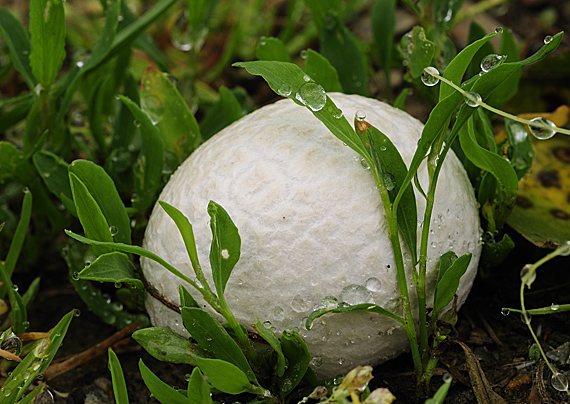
point(502, 113)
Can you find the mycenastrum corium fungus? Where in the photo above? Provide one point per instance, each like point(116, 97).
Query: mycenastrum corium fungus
point(312, 227)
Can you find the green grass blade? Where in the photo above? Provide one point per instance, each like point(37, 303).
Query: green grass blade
point(17, 40)
point(19, 235)
point(47, 37)
point(160, 390)
point(274, 343)
point(383, 22)
point(320, 70)
point(118, 378)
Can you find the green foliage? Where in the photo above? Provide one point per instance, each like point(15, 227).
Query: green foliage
point(119, 384)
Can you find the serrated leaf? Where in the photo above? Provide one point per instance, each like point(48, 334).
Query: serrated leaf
point(213, 337)
point(168, 346)
point(226, 244)
point(225, 376)
point(47, 37)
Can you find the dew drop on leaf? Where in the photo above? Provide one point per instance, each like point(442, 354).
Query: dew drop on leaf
point(284, 90)
point(428, 77)
point(547, 39)
point(113, 230)
point(389, 181)
point(528, 275)
point(564, 249)
point(554, 307)
point(491, 61)
point(313, 96)
point(360, 115)
point(499, 30)
point(538, 131)
point(505, 312)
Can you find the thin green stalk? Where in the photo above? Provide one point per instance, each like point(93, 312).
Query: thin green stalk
point(503, 113)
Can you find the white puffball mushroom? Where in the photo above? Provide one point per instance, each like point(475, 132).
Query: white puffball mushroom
point(312, 226)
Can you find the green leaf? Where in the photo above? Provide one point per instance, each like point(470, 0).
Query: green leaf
point(19, 235)
point(444, 12)
point(393, 171)
point(168, 346)
point(320, 70)
point(440, 394)
point(31, 293)
point(298, 358)
point(102, 188)
point(383, 22)
point(186, 299)
point(489, 161)
point(47, 36)
point(42, 353)
point(18, 42)
point(213, 337)
point(494, 253)
point(225, 376)
point(148, 167)
point(160, 390)
point(118, 378)
point(274, 343)
point(477, 32)
point(448, 280)
point(226, 244)
point(198, 388)
point(520, 150)
point(344, 52)
point(419, 50)
point(113, 267)
point(185, 229)
point(166, 108)
point(399, 103)
point(345, 308)
point(90, 215)
point(54, 173)
point(280, 74)
point(18, 308)
point(103, 45)
point(270, 48)
point(222, 113)
point(457, 67)
point(507, 89)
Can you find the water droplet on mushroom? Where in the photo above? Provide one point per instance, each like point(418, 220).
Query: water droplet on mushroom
point(389, 181)
point(267, 324)
point(473, 99)
point(364, 164)
point(559, 381)
point(316, 361)
point(491, 61)
point(284, 90)
point(542, 132)
point(427, 76)
point(313, 96)
point(355, 294)
point(329, 303)
point(547, 39)
point(300, 304)
point(528, 275)
point(373, 284)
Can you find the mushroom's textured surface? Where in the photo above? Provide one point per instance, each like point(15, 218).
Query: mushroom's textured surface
point(312, 226)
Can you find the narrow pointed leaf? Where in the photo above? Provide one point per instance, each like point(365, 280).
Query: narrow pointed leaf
point(160, 390)
point(320, 70)
point(225, 376)
point(298, 357)
point(198, 388)
point(18, 42)
point(19, 235)
point(383, 21)
point(270, 337)
point(344, 308)
point(118, 378)
point(448, 282)
point(113, 267)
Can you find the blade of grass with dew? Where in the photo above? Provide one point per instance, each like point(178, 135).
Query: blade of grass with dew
point(17, 40)
point(270, 337)
point(102, 188)
point(47, 38)
point(118, 379)
point(160, 390)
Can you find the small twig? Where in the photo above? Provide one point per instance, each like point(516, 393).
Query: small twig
point(10, 355)
point(100, 349)
point(489, 330)
point(32, 336)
